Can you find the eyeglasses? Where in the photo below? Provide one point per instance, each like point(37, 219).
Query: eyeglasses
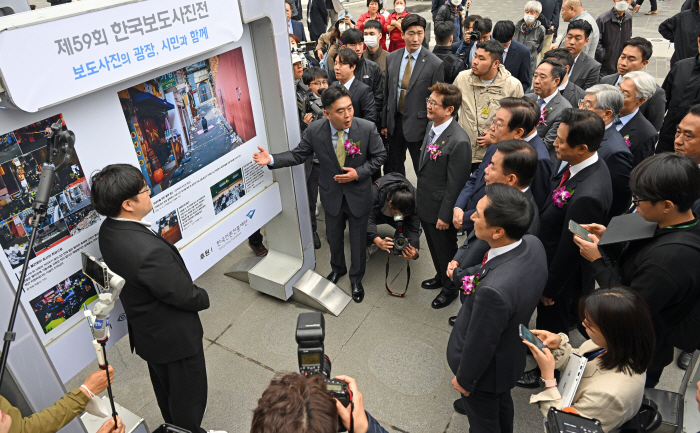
point(430, 102)
point(495, 124)
point(583, 104)
point(319, 83)
point(148, 189)
point(636, 200)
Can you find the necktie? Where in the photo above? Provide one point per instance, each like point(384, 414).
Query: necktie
point(617, 122)
point(565, 176)
point(404, 82)
point(340, 149)
point(431, 138)
point(541, 102)
point(486, 257)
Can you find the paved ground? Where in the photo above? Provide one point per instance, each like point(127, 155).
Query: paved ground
point(394, 347)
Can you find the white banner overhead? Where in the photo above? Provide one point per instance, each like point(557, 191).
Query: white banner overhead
point(56, 61)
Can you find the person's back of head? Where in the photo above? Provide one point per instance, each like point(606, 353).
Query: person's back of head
point(562, 55)
point(114, 184)
point(503, 31)
point(444, 30)
point(294, 403)
point(520, 159)
point(585, 127)
point(667, 176)
point(402, 199)
point(509, 209)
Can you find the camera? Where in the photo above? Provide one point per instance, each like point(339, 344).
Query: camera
point(474, 36)
point(564, 422)
point(400, 241)
point(98, 272)
point(308, 102)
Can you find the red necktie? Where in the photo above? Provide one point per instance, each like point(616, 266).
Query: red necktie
point(486, 257)
point(565, 176)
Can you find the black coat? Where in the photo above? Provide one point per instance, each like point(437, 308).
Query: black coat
point(642, 137)
point(617, 156)
point(682, 87)
point(362, 100)
point(319, 17)
point(473, 190)
point(682, 29)
point(159, 298)
point(551, 10)
point(370, 73)
point(299, 31)
point(380, 189)
point(518, 63)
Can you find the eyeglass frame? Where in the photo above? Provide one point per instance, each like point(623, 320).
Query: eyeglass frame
point(148, 189)
point(636, 200)
point(319, 83)
point(433, 103)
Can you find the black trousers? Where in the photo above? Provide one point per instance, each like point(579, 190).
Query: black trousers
point(256, 239)
point(653, 4)
point(443, 247)
point(489, 412)
point(335, 232)
point(181, 391)
point(396, 157)
point(312, 190)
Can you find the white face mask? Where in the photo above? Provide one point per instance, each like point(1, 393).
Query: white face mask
point(371, 41)
point(529, 19)
point(342, 27)
point(96, 406)
point(456, 2)
point(621, 6)
point(399, 9)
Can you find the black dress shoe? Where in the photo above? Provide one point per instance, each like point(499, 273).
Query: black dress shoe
point(432, 284)
point(443, 300)
point(317, 241)
point(452, 320)
point(333, 277)
point(530, 379)
point(683, 360)
point(358, 292)
point(458, 406)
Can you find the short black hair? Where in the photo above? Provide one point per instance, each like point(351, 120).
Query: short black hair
point(585, 127)
point(346, 56)
point(644, 46)
point(470, 19)
point(352, 36)
point(332, 94)
point(443, 31)
point(562, 55)
point(402, 198)
point(509, 209)
point(667, 176)
point(114, 184)
point(524, 113)
point(581, 25)
point(376, 1)
point(520, 159)
point(484, 25)
point(695, 110)
point(503, 31)
point(413, 20)
point(558, 69)
point(311, 74)
point(374, 24)
point(494, 48)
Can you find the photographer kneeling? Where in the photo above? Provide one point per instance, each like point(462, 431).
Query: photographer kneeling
point(619, 351)
point(295, 403)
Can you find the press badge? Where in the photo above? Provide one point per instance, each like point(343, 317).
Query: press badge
point(485, 112)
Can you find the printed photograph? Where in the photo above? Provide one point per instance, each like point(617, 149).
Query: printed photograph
point(82, 219)
point(63, 301)
point(227, 191)
point(169, 227)
point(14, 240)
point(51, 235)
point(185, 120)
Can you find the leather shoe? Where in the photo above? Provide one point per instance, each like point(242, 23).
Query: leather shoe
point(432, 284)
point(443, 300)
point(452, 320)
point(358, 292)
point(683, 360)
point(317, 241)
point(333, 277)
point(259, 250)
point(530, 379)
point(458, 406)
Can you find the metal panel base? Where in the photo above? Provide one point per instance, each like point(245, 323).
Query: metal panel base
point(239, 270)
point(317, 292)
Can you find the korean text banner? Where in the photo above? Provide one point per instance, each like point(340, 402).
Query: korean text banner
point(74, 56)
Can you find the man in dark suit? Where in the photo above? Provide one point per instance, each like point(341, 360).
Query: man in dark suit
point(585, 71)
point(366, 70)
point(344, 179)
point(545, 86)
point(606, 101)
point(639, 134)
point(516, 56)
point(409, 74)
point(316, 18)
point(570, 91)
point(160, 300)
point(483, 351)
point(551, 12)
point(360, 93)
point(445, 153)
point(635, 57)
point(294, 27)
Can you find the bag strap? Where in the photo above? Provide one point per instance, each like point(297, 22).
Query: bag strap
point(386, 279)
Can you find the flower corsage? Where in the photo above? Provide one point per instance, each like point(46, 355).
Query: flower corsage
point(543, 115)
point(469, 283)
point(627, 140)
point(352, 148)
point(561, 196)
point(434, 150)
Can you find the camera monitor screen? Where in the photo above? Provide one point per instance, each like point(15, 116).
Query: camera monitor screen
point(310, 359)
point(334, 387)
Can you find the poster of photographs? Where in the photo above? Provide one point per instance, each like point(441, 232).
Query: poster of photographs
point(169, 227)
point(227, 191)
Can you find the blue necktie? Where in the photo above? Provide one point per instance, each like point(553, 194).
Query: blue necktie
point(542, 103)
point(617, 122)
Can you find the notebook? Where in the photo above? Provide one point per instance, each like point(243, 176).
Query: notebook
point(568, 383)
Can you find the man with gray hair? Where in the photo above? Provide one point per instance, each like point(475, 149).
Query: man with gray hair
point(572, 10)
point(607, 101)
point(639, 134)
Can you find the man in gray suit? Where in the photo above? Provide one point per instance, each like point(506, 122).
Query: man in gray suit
point(483, 351)
point(409, 73)
point(570, 91)
point(572, 10)
point(551, 103)
point(585, 71)
point(349, 150)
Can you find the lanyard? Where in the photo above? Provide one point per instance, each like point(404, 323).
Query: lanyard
point(684, 226)
point(595, 354)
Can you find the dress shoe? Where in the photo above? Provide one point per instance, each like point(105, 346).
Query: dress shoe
point(358, 292)
point(432, 284)
point(317, 241)
point(259, 250)
point(452, 320)
point(458, 406)
point(683, 360)
point(443, 300)
point(333, 277)
point(530, 379)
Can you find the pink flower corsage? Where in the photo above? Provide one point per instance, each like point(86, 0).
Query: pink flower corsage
point(543, 115)
point(434, 150)
point(561, 196)
point(352, 148)
point(627, 140)
point(469, 283)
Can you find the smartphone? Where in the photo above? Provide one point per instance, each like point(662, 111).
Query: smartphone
point(525, 334)
point(576, 229)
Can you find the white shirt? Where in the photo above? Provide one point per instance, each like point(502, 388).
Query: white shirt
point(608, 125)
point(438, 130)
point(548, 98)
point(142, 222)
point(349, 83)
point(531, 136)
point(495, 252)
point(625, 119)
point(581, 165)
point(505, 53)
point(563, 86)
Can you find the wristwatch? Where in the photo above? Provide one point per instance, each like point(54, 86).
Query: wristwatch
point(548, 383)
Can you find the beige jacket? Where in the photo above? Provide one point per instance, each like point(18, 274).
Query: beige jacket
point(611, 397)
point(480, 103)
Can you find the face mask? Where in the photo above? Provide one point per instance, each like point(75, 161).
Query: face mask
point(529, 19)
point(621, 6)
point(371, 41)
point(342, 27)
point(399, 9)
point(456, 2)
point(96, 406)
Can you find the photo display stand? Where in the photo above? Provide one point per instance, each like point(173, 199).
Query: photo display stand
point(185, 90)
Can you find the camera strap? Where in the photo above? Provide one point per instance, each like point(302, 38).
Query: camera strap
point(386, 278)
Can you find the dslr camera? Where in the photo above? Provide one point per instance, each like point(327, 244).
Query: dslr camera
point(400, 241)
point(308, 102)
point(474, 36)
